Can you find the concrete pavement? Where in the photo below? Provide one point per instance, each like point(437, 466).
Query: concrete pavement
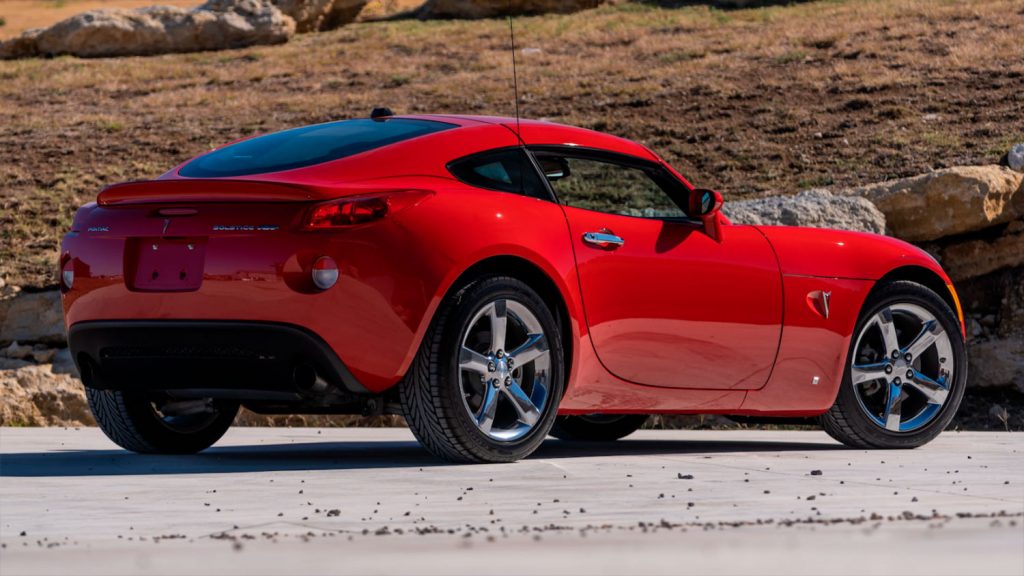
point(271, 501)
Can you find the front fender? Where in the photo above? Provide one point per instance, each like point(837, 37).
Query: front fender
point(828, 253)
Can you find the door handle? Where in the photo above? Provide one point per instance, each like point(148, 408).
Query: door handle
point(603, 239)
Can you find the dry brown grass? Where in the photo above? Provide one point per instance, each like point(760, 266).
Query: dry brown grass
point(747, 101)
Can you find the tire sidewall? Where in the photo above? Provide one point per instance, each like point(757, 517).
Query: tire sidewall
point(906, 293)
point(136, 426)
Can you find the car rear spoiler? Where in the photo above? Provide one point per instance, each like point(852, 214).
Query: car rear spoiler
point(210, 190)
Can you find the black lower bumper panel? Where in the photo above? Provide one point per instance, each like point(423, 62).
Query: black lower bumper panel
point(204, 355)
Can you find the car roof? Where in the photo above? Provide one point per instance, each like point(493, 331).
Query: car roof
point(543, 132)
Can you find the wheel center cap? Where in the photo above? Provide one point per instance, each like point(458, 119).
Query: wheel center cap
point(501, 370)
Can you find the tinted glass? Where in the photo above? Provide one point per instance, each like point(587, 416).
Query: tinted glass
point(508, 170)
point(613, 188)
point(307, 146)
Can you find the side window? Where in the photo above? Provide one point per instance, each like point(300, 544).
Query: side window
point(609, 187)
point(506, 170)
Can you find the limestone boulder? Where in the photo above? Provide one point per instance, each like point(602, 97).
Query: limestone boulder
point(812, 208)
point(1015, 157)
point(997, 363)
point(317, 15)
point(32, 317)
point(32, 395)
point(947, 202)
point(973, 258)
point(216, 25)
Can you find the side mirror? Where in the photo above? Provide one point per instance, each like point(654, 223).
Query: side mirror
point(707, 206)
point(554, 168)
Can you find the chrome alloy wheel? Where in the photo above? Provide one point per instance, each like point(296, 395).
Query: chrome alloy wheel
point(505, 369)
point(902, 367)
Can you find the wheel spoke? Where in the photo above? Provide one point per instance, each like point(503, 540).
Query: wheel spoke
point(528, 413)
point(499, 321)
point(934, 391)
point(472, 361)
point(893, 404)
point(862, 373)
point(925, 339)
point(888, 329)
point(485, 419)
point(536, 345)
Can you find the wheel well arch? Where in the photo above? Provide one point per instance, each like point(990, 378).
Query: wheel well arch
point(928, 278)
point(522, 269)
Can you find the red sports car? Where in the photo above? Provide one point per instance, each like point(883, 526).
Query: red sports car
point(494, 282)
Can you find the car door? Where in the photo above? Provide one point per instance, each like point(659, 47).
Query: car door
point(666, 304)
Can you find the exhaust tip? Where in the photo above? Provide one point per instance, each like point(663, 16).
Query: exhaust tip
point(306, 379)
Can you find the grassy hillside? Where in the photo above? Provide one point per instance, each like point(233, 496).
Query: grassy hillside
point(748, 101)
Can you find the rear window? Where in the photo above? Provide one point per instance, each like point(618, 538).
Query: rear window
point(307, 146)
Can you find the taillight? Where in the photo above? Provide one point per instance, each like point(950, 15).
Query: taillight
point(325, 272)
point(67, 273)
point(356, 210)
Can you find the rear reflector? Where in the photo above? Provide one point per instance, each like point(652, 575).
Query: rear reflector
point(67, 273)
point(325, 272)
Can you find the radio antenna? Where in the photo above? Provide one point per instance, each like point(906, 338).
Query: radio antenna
point(515, 77)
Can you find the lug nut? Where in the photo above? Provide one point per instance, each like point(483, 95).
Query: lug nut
point(910, 374)
point(888, 369)
point(895, 354)
point(897, 381)
point(490, 367)
point(511, 362)
point(500, 353)
point(508, 380)
point(494, 383)
point(908, 357)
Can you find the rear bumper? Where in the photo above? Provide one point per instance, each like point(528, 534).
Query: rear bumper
point(275, 360)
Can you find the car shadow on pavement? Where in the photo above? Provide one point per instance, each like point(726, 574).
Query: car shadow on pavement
point(659, 447)
point(356, 455)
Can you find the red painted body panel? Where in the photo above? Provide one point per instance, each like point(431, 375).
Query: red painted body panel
point(673, 308)
point(843, 254)
point(714, 327)
point(812, 346)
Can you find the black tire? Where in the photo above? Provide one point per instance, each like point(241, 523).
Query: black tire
point(597, 427)
point(847, 421)
point(431, 393)
point(131, 421)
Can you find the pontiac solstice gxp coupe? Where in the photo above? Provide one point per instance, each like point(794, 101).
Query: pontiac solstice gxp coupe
point(494, 282)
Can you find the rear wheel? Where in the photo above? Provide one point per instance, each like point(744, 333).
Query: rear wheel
point(906, 372)
point(487, 380)
point(156, 425)
point(597, 427)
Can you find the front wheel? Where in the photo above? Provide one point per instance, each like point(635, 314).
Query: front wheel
point(597, 427)
point(158, 425)
point(906, 371)
point(487, 380)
